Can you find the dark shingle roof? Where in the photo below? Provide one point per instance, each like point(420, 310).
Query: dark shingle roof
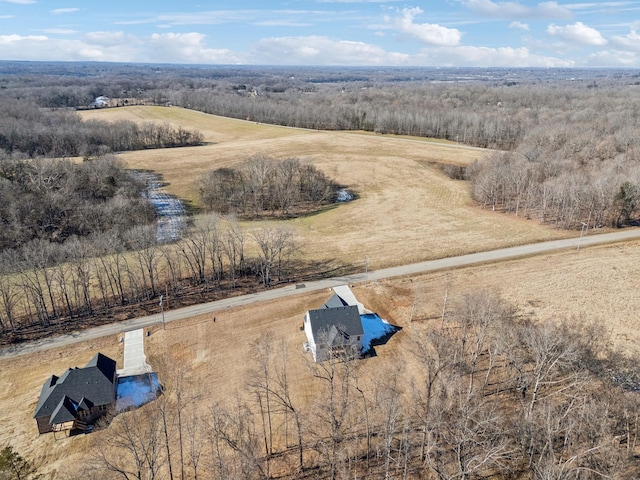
point(334, 302)
point(65, 411)
point(335, 324)
point(92, 385)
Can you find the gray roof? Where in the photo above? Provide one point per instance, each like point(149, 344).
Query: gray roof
point(78, 387)
point(335, 301)
point(336, 323)
point(65, 411)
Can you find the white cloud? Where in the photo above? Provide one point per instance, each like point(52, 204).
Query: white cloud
point(60, 11)
point(186, 48)
point(577, 33)
point(316, 50)
point(612, 58)
point(489, 57)
point(429, 33)
point(519, 25)
point(281, 23)
point(109, 39)
point(59, 31)
point(116, 47)
point(14, 39)
point(517, 10)
point(4, 17)
point(357, 1)
point(598, 5)
point(321, 50)
point(631, 41)
point(21, 2)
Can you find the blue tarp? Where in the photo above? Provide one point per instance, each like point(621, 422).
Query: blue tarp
point(376, 331)
point(136, 390)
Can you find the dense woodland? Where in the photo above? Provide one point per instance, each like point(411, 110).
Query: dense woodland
point(53, 200)
point(486, 393)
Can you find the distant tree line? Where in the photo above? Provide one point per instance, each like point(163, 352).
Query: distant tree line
point(496, 108)
point(29, 130)
point(49, 287)
point(485, 393)
point(263, 185)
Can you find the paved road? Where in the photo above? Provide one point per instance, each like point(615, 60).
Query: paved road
point(411, 269)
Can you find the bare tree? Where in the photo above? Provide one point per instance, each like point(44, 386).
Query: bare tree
point(233, 242)
point(276, 246)
point(333, 409)
point(132, 446)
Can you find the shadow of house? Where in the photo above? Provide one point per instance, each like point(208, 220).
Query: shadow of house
point(78, 398)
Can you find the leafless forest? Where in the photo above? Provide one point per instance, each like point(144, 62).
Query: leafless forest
point(266, 186)
point(498, 396)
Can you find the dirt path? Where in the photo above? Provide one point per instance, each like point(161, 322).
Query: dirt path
point(411, 269)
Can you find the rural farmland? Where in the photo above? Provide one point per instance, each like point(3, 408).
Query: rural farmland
point(521, 366)
point(408, 210)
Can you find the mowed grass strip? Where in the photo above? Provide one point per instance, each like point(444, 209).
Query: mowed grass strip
point(407, 209)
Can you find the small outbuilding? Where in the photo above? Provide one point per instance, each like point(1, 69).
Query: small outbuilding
point(77, 398)
point(335, 328)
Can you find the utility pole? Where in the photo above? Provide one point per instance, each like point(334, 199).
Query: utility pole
point(162, 311)
point(584, 225)
point(366, 271)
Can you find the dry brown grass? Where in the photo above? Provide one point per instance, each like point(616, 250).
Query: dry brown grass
point(593, 284)
point(408, 210)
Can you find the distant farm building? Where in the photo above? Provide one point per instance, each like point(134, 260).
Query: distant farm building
point(77, 398)
point(100, 102)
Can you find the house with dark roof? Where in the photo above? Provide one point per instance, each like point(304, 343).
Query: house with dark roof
point(77, 398)
point(334, 328)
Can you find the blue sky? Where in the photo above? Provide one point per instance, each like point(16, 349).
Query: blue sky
point(325, 32)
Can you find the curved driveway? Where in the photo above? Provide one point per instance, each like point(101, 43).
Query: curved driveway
point(411, 269)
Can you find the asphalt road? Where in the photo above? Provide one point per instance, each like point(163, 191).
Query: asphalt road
point(404, 270)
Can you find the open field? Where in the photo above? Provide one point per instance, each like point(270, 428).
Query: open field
point(407, 210)
point(568, 284)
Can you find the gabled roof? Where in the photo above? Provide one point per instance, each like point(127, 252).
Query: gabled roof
point(91, 385)
point(65, 411)
point(335, 301)
point(336, 324)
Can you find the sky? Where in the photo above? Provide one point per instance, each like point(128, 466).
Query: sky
point(447, 33)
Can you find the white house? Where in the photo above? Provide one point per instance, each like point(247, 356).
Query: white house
point(100, 102)
point(335, 327)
